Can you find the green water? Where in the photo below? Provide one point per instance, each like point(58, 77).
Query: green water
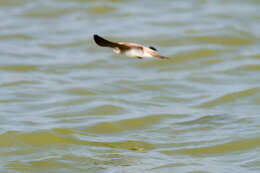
point(67, 105)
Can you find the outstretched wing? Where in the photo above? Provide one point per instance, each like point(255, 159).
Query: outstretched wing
point(105, 43)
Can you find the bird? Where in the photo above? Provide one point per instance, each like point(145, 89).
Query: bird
point(133, 50)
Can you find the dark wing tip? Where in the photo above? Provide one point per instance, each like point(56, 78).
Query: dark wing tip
point(101, 41)
point(96, 37)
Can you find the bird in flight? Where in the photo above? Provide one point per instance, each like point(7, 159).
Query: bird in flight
point(129, 49)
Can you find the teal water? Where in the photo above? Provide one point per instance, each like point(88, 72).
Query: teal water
point(68, 105)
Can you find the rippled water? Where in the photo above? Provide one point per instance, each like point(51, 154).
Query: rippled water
point(68, 105)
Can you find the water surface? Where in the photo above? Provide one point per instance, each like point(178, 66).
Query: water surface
point(68, 105)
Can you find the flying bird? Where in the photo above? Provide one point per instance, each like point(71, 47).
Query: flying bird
point(129, 49)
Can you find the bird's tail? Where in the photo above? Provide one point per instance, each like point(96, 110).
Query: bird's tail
point(103, 42)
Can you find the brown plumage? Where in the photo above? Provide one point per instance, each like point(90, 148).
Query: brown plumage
point(129, 49)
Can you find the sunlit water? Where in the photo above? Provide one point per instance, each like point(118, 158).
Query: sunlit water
point(67, 105)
